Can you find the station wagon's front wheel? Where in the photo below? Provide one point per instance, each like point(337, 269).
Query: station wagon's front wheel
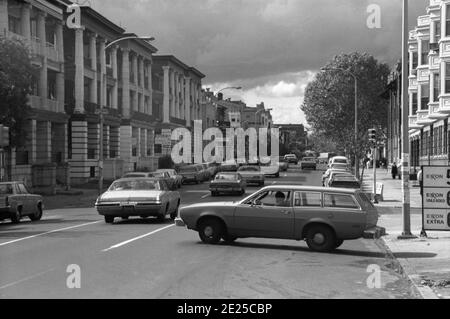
point(210, 231)
point(320, 238)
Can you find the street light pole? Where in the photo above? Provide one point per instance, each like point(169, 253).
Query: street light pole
point(406, 234)
point(103, 99)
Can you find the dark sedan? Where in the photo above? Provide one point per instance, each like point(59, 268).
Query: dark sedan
point(227, 183)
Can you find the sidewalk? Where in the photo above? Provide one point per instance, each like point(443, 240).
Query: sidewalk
point(425, 261)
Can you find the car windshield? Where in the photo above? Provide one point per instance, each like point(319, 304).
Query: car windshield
point(249, 169)
point(226, 177)
point(339, 166)
point(135, 185)
point(340, 161)
point(309, 159)
point(6, 189)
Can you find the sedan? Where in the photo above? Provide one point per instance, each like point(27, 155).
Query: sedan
point(308, 162)
point(252, 174)
point(177, 178)
point(142, 197)
point(228, 183)
point(16, 201)
point(189, 174)
point(344, 182)
point(323, 217)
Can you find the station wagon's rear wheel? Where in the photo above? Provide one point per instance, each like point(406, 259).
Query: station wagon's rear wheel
point(15, 218)
point(37, 215)
point(210, 231)
point(320, 238)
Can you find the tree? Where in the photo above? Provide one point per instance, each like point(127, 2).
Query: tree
point(329, 100)
point(16, 74)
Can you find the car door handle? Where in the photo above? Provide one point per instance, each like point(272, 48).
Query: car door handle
point(286, 212)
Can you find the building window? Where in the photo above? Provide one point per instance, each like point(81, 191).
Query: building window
point(415, 60)
point(425, 99)
point(425, 51)
point(447, 22)
point(437, 87)
point(445, 137)
point(447, 77)
point(438, 31)
point(14, 24)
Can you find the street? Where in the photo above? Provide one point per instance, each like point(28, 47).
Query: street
point(139, 258)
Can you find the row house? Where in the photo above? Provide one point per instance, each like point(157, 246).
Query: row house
point(429, 86)
point(39, 25)
point(177, 96)
point(116, 79)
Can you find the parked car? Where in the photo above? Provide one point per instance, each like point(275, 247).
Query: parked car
point(177, 178)
point(334, 173)
point(344, 182)
point(207, 171)
point(338, 160)
point(171, 182)
point(138, 197)
point(227, 182)
point(228, 166)
point(190, 174)
point(328, 172)
point(308, 163)
point(324, 217)
point(270, 170)
point(212, 169)
point(340, 166)
point(252, 174)
point(291, 158)
point(16, 201)
point(283, 163)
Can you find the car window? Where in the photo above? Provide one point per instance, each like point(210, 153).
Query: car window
point(22, 189)
point(308, 199)
point(226, 177)
point(134, 185)
point(340, 161)
point(6, 189)
point(339, 201)
point(275, 198)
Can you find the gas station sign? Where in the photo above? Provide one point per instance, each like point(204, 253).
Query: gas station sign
point(436, 198)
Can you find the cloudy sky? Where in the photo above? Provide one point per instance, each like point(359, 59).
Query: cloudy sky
point(271, 48)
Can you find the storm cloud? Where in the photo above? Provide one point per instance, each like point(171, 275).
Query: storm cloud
point(270, 47)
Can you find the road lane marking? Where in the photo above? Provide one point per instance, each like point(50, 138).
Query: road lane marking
point(25, 279)
point(204, 196)
point(136, 238)
point(49, 232)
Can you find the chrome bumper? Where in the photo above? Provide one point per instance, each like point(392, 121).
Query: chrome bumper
point(374, 232)
point(179, 222)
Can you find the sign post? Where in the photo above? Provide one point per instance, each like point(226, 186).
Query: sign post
point(435, 199)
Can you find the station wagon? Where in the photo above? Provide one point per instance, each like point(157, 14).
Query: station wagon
point(324, 217)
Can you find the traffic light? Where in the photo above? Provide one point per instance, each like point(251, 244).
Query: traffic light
point(372, 135)
point(4, 136)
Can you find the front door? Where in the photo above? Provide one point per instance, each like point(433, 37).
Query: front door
point(267, 214)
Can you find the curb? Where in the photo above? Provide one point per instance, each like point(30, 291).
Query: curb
point(404, 268)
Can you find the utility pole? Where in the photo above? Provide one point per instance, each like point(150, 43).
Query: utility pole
point(406, 234)
point(374, 156)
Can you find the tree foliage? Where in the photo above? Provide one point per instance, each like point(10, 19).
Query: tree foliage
point(329, 103)
point(16, 74)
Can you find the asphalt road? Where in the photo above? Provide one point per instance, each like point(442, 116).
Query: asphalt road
point(149, 259)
